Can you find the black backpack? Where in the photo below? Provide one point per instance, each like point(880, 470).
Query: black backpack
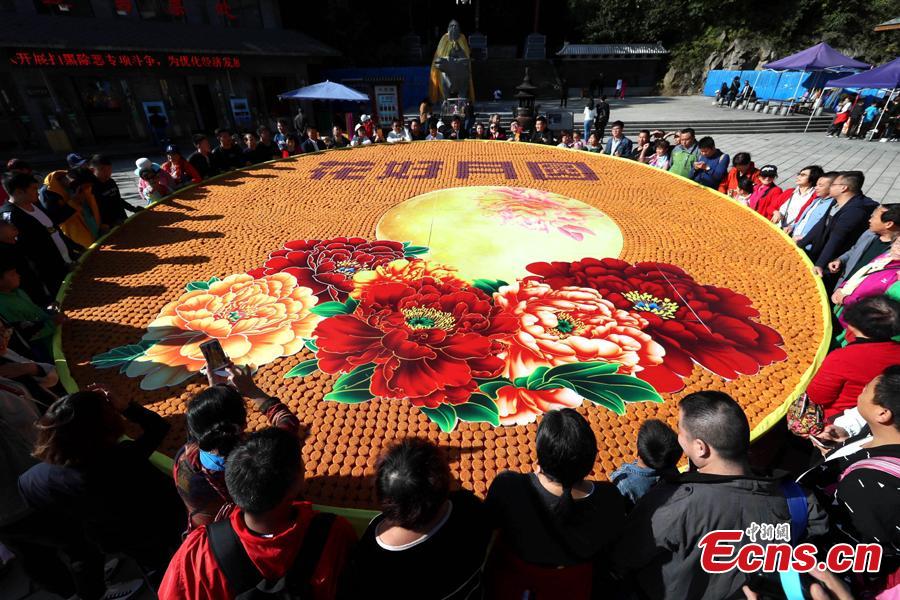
point(245, 580)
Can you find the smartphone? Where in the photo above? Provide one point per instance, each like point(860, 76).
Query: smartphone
point(214, 354)
point(824, 444)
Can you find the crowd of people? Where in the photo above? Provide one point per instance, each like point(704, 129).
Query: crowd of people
point(230, 520)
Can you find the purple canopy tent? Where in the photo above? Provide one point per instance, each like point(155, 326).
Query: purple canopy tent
point(885, 77)
point(816, 58)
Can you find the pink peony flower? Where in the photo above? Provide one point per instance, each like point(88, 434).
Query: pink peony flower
point(569, 325)
point(519, 406)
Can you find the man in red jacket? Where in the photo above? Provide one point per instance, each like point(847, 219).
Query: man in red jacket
point(264, 476)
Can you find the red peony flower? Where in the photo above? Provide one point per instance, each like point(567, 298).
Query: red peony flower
point(327, 267)
point(428, 339)
point(710, 325)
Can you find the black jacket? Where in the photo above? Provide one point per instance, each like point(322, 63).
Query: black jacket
point(311, 145)
point(203, 164)
point(659, 548)
point(543, 137)
point(126, 503)
point(35, 241)
point(110, 203)
point(832, 236)
point(227, 159)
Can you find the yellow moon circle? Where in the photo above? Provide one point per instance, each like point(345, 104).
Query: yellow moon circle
point(493, 232)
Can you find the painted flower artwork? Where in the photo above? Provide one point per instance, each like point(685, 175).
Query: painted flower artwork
point(536, 210)
point(394, 326)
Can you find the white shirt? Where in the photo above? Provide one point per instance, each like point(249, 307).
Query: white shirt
point(429, 534)
point(589, 113)
point(393, 137)
point(38, 215)
point(437, 136)
point(850, 421)
point(614, 145)
point(790, 210)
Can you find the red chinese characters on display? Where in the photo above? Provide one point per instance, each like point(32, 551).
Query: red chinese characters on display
point(50, 58)
point(176, 8)
point(223, 9)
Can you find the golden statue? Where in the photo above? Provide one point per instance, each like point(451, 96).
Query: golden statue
point(451, 72)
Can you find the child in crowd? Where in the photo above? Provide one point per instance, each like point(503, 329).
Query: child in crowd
point(577, 141)
point(744, 191)
point(178, 168)
point(291, 146)
point(33, 322)
point(658, 453)
point(593, 144)
point(661, 158)
point(153, 183)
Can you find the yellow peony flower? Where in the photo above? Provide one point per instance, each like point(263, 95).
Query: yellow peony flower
point(255, 320)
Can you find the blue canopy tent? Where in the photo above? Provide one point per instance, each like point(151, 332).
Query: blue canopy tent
point(820, 57)
point(885, 77)
point(327, 91)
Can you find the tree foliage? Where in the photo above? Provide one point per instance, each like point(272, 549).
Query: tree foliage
point(785, 25)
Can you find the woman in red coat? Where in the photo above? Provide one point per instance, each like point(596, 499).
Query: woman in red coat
point(766, 195)
point(871, 323)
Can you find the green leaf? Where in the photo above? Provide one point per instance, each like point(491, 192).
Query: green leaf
point(536, 378)
point(201, 285)
point(349, 396)
point(415, 250)
point(606, 398)
point(121, 355)
point(491, 386)
point(583, 370)
point(484, 401)
point(356, 379)
point(196, 285)
point(330, 309)
point(555, 384)
point(351, 305)
point(311, 344)
point(489, 286)
point(627, 387)
point(473, 412)
point(303, 369)
point(520, 382)
point(444, 416)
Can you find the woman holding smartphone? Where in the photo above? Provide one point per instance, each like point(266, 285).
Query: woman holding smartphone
point(216, 422)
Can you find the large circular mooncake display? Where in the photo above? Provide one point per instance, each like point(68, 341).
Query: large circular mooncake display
point(454, 291)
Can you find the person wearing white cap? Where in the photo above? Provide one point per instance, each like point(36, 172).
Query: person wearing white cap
point(360, 139)
point(153, 182)
point(369, 125)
